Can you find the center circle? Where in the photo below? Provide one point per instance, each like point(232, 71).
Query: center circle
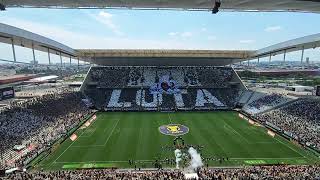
point(174, 129)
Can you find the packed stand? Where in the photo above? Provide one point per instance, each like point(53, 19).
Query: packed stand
point(266, 102)
point(300, 120)
point(132, 88)
point(259, 172)
point(214, 77)
point(111, 77)
point(37, 123)
point(125, 76)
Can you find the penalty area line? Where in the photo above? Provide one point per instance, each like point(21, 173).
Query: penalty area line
point(105, 129)
point(66, 149)
point(104, 144)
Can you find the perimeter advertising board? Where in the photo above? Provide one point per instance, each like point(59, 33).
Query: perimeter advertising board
point(6, 93)
point(318, 90)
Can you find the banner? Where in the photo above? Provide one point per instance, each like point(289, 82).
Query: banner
point(251, 122)
point(6, 93)
point(165, 85)
point(272, 134)
point(318, 90)
point(241, 115)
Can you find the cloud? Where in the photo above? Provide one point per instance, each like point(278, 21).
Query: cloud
point(203, 29)
point(173, 33)
point(186, 34)
point(212, 38)
point(181, 34)
point(107, 19)
point(273, 28)
point(80, 39)
point(105, 14)
point(83, 40)
point(247, 41)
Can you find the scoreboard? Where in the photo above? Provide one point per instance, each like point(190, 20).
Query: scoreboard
point(6, 93)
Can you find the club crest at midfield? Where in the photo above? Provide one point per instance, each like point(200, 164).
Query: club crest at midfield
point(174, 129)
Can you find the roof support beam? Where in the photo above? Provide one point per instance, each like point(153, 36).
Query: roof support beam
point(60, 59)
point(13, 51)
point(302, 54)
point(34, 56)
point(270, 58)
point(49, 56)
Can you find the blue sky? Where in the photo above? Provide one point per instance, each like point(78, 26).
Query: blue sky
point(132, 29)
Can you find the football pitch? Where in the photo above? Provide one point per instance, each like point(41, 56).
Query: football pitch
point(114, 138)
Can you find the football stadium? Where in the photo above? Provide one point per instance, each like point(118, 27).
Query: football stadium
point(158, 113)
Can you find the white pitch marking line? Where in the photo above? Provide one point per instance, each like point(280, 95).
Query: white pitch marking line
point(104, 142)
point(111, 132)
point(90, 134)
point(107, 127)
point(80, 136)
point(290, 147)
point(67, 148)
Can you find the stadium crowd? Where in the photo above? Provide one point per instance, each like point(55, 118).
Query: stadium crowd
point(265, 102)
point(120, 77)
point(268, 100)
point(300, 120)
point(258, 172)
point(138, 85)
point(36, 123)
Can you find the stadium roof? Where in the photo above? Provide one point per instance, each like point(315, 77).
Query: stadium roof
point(20, 37)
point(237, 5)
point(159, 57)
point(306, 42)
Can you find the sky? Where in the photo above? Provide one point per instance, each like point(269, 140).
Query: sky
point(161, 29)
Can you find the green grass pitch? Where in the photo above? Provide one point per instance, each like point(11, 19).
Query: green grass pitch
point(115, 137)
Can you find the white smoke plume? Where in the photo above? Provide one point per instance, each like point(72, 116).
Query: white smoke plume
point(178, 155)
point(196, 161)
